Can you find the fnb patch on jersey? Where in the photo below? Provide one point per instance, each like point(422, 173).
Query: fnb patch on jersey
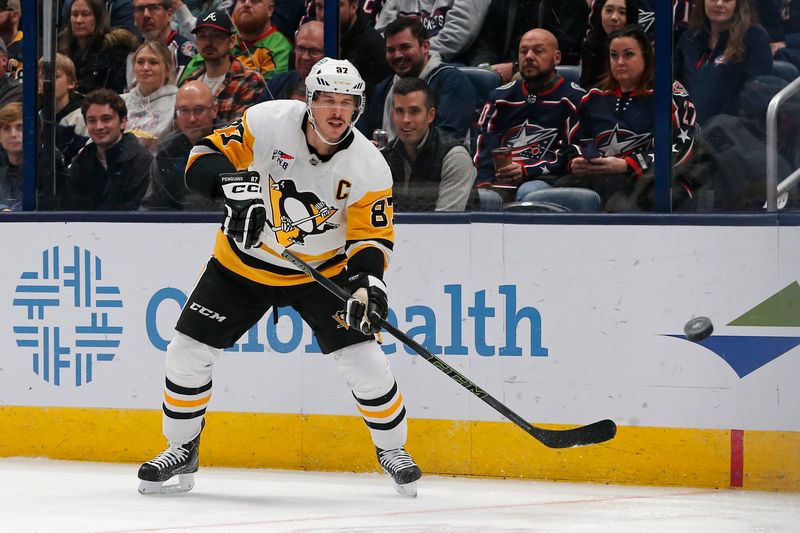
point(282, 158)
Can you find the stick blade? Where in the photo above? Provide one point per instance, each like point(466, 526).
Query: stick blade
point(595, 433)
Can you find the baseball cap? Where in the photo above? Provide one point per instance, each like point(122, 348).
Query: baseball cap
point(9, 5)
point(219, 20)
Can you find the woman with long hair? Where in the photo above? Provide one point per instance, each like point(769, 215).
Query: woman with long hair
point(98, 52)
point(151, 103)
point(606, 17)
point(723, 48)
point(613, 138)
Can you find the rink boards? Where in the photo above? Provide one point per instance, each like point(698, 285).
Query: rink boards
point(565, 324)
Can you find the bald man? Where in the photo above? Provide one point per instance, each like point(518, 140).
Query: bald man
point(195, 113)
point(308, 45)
point(532, 117)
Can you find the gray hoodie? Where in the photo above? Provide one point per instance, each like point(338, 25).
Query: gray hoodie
point(150, 117)
point(453, 25)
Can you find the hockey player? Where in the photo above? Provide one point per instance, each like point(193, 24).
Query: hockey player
point(301, 174)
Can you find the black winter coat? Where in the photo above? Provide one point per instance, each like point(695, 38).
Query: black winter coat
point(118, 187)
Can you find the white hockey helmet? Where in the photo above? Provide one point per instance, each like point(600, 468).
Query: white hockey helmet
point(335, 76)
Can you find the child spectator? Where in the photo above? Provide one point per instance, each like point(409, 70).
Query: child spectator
point(71, 132)
point(11, 157)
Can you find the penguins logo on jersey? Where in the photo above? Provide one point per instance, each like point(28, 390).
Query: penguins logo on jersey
point(300, 213)
point(529, 141)
point(621, 142)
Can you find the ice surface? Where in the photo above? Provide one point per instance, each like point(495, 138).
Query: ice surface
point(44, 495)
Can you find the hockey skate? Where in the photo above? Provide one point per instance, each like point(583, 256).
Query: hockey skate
point(404, 471)
point(178, 460)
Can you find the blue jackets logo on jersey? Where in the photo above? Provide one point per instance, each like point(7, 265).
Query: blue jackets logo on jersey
point(529, 141)
point(621, 142)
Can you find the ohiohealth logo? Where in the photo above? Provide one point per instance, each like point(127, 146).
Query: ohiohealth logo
point(66, 319)
point(747, 353)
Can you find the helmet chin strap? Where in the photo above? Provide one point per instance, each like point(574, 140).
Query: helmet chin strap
point(319, 133)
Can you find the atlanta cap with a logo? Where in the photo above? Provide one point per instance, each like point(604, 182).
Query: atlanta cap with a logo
point(219, 20)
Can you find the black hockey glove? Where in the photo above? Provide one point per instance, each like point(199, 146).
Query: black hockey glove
point(245, 213)
point(368, 305)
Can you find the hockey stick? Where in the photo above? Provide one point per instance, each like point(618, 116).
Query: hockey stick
point(594, 433)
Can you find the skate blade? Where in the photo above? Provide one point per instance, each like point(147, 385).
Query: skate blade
point(185, 483)
point(409, 490)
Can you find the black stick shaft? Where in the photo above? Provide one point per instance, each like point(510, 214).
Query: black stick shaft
point(597, 432)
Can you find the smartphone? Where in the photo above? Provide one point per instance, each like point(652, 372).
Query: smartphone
point(589, 150)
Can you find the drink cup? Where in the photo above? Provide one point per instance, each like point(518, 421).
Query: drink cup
point(501, 157)
point(381, 138)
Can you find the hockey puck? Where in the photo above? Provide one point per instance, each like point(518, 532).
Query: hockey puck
point(698, 328)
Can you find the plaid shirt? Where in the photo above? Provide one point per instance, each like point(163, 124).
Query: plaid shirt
point(242, 88)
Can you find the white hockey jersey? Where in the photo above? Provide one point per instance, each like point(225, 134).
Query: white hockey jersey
point(324, 210)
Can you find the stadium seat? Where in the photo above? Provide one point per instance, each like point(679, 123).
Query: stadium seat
point(571, 73)
point(483, 80)
point(785, 70)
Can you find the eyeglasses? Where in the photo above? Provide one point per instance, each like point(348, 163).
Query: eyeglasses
point(189, 111)
point(302, 50)
point(153, 8)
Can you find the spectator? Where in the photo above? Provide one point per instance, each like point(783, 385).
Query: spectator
point(186, 13)
point(508, 20)
point(151, 104)
point(71, 132)
point(195, 111)
point(120, 14)
point(154, 20)
point(111, 172)
point(789, 48)
point(770, 18)
point(235, 86)
point(11, 157)
point(615, 121)
point(721, 50)
point(288, 15)
point(307, 51)
point(359, 42)
point(453, 25)
point(10, 89)
point(431, 171)
point(532, 117)
point(408, 53)
point(99, 53)
point(607, 16)
point(10, 34)
point(372, 8)
point(258, 45)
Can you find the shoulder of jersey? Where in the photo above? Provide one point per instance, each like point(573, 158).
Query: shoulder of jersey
point(275, 114)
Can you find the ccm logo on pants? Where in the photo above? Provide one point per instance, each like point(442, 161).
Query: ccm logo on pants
point(194, 306)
